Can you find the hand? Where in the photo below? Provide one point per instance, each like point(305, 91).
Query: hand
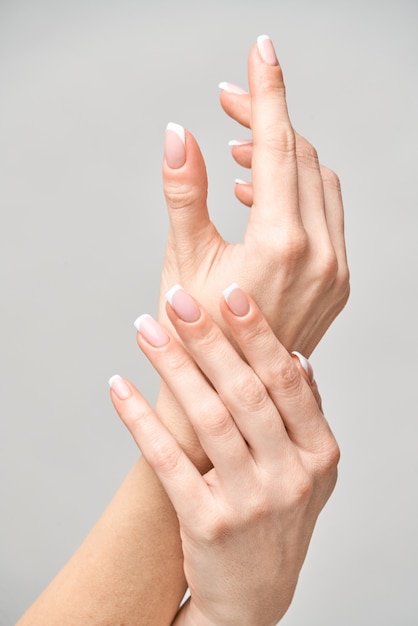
point(292, 260)
point(246, 524)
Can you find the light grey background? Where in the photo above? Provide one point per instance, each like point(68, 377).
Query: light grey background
point(87, 88)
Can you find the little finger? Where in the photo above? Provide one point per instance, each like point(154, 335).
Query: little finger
point(178, 475)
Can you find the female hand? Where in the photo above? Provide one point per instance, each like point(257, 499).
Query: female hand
point(292, 260)
point(246, 524)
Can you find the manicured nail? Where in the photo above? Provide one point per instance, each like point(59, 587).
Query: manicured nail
point(175, 146)
point(239, 181)
point(231, 88)
point(239, 142)
point(151, 331)
point(266, 50)
point(119, 387)
point(306, 365)
point(183, 304)
point(237, 300)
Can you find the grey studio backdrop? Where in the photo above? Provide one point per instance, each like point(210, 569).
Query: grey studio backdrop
point(87, 88)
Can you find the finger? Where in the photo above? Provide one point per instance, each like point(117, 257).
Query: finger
point(185, 188)
point(240, 389)
point(211, 420)
point(236, 103)
point(305, 368)
point(242, 151)
point(334, 212)
point(275, 367)
point(176, 472)
point(275, 182)
point(244, 192)
point(311, 194)
point(324, 262)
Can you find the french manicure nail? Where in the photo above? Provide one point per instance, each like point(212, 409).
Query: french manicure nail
point(183, 304)
point(175, 145)
point(239, 181)
point(119, 387)
point(306, 365)
point(151, 330)
point(237, 300)
point(231, 88)
point(266, 50)
point(239, 142)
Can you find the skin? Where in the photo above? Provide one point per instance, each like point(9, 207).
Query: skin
point(245, 525)
point(292, 259)
point(129, 570)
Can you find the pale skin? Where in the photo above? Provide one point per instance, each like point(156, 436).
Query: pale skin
point(245, 525)
point(129, 570)
point(292, 259)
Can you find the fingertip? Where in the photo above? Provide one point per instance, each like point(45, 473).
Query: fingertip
point(175, 145)
point(266, 50)
point(120, 387)
point(231, 88)
point(237, 300)
point(237, 106)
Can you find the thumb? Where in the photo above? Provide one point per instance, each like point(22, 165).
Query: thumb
point(185, 189)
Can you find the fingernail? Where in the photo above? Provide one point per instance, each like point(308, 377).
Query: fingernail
point(231, 88)
point(183, 304)
point(237, 300)
point(151, 330)
point(174, 145)
point(239, 142)
point(266, 50)
point(306, 365)
point(239, 181)
point(119, 387)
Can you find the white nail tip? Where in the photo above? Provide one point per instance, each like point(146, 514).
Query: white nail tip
point(113, 379)
point(230, 88)
point(138, 321)
point(239, 142)
point(239, 181)
point(170, 293)
point(261, 39)
point(176, 128)
point(227, 292)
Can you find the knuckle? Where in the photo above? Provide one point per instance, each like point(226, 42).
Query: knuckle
point(307, 154)
point(343, 287)
point(295, 246)
point(272, 84)
point(340, 280)
point(179, 196)
point(283, 141)
point(210, 343)
point(330, 179)
point(217, 530)
point(328, 454)
point(215, 420)
point(165, 457)
point(302, 489)
point(288, 379)
point(252, 393)
point(328, 266)
point(333, 455)
point(174, 364)
point(260, 509)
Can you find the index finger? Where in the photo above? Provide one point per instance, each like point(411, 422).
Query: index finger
point(274, 165)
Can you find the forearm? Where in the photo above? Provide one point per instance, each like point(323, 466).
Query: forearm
point(129, 569)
